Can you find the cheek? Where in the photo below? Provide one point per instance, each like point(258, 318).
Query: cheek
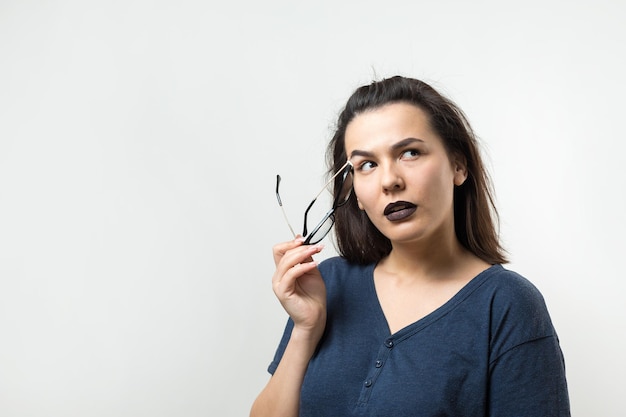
point(363, 193)
point(440, 175)
point(433, 184)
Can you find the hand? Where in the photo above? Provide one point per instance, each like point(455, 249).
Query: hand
point(299, 286)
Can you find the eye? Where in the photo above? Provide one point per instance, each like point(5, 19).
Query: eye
point(366, 166)
point(410, 154)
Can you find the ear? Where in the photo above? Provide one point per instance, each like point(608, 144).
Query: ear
point(359, 204)
point(459, 164)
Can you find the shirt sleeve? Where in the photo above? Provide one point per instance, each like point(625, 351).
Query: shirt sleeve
point(529, 380)
point(526, 366)
point(281, 347)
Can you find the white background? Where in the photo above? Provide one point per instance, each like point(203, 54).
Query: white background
point(139, 143)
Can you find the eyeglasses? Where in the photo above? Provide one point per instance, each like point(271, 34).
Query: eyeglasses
point(323, 227)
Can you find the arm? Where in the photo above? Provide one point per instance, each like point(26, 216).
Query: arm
point(300, 289)
point(529, 380)
point(526, 366)
point(281, 395)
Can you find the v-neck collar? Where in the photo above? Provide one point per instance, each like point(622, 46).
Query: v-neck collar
point(459, 297)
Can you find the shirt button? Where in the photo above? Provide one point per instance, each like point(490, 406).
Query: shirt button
point(389, 343)
point(368, 383)
point(379, 363)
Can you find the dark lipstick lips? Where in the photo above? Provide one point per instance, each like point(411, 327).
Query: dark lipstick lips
point(399, 210)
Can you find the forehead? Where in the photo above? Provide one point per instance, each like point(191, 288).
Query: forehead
point(386, 125)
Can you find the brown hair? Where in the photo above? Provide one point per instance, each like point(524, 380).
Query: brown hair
point(475, 214)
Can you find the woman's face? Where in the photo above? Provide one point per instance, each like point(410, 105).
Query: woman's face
point(403, 176)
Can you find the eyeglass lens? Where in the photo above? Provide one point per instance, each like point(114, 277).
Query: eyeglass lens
point(321, 230)
point(328, 220)
point(346, 188)
point(345, 178)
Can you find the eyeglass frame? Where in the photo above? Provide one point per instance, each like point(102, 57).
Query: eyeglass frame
point(346, 169)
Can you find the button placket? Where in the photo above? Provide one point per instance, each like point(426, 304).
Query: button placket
point(382, 357)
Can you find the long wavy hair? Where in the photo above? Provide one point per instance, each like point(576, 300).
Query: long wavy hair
point(475, 214)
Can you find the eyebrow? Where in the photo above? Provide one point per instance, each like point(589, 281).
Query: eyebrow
point(398, 145)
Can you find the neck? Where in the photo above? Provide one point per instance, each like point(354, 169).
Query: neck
point(426, 261)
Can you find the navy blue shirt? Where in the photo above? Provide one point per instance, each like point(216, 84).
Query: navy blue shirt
point(491, 350)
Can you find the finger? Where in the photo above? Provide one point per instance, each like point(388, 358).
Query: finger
point(285, 285)
point(302, 255)
point(298, 255)
point(280, 249)
point(288, 289)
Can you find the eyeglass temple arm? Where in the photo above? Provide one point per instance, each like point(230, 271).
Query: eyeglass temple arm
point(280, 203)
point(306, 212)
point(331, 180)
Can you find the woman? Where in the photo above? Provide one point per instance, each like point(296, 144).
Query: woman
point(417, 317)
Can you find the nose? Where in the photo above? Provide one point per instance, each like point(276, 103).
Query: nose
point(392, 179)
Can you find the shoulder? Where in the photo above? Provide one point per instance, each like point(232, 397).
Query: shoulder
point(510, 290)
point(518, 312)
point(524, 351)
point(343, 277)
point(339, 268)
point(337, 262)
